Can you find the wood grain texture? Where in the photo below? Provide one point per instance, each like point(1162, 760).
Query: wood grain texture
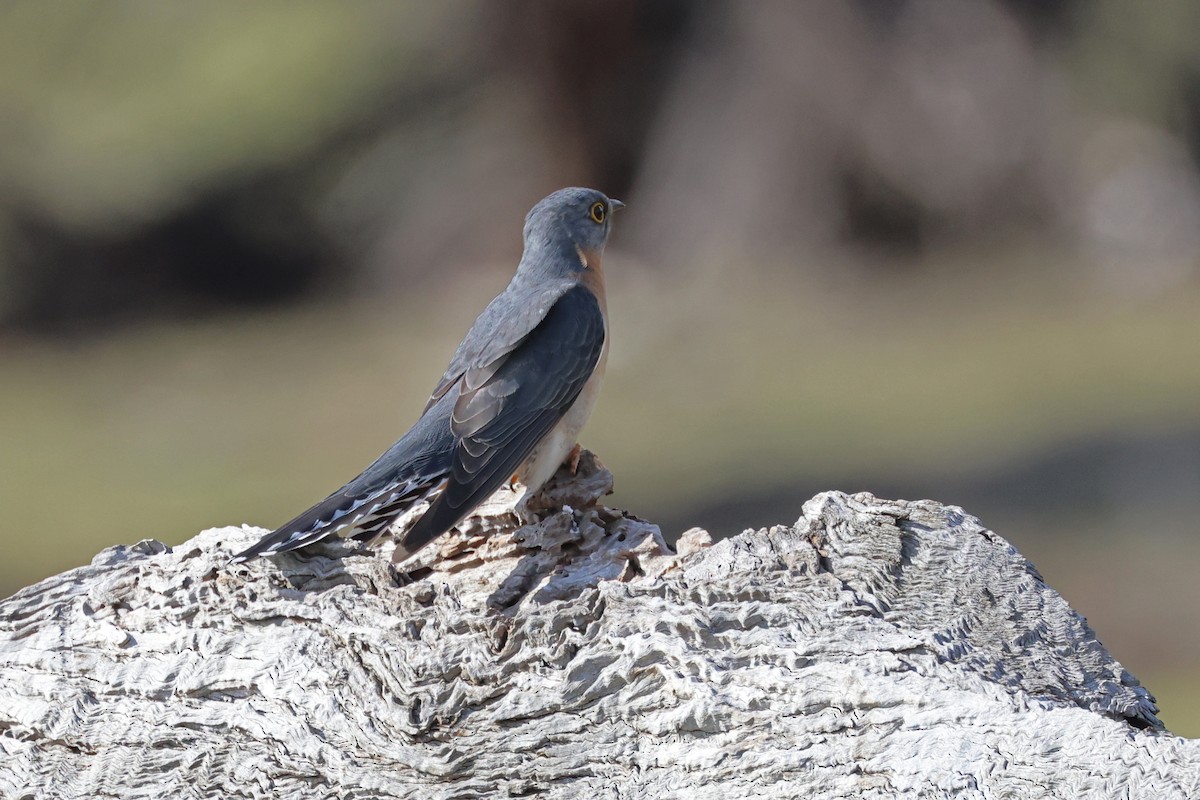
point(873, 649)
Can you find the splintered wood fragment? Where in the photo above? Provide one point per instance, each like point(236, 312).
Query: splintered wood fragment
point(872, 649)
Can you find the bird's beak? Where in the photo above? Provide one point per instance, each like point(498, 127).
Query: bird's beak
point(617, 205)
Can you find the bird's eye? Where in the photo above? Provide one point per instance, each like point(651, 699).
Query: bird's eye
point(598, 212)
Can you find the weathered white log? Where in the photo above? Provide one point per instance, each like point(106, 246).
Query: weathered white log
point(873, 649)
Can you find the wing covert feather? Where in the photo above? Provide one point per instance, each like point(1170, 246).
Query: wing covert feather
point(499, 330)
point(498, 424)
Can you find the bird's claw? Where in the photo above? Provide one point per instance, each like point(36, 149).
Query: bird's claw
point(572, 462)
point(524, 514)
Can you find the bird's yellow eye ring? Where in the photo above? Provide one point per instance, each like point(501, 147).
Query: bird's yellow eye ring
point(598, 212)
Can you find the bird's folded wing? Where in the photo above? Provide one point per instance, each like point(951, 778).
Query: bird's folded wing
point(497, 423)
point(499, 330)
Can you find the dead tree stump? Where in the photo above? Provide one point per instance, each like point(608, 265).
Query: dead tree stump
point(873, 649)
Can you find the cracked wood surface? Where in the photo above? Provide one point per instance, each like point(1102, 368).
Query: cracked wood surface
point(873, 649)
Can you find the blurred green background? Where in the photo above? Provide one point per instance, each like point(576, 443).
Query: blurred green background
point(917, 248)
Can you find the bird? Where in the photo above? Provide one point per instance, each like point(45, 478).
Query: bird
point(509, 407)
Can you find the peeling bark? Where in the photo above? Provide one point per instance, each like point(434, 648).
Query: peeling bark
point(873, 649)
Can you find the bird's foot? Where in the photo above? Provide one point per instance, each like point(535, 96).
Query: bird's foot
point(572, 462)
point(524, 514)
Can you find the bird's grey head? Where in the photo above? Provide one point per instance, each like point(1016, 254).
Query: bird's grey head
point(567, 228)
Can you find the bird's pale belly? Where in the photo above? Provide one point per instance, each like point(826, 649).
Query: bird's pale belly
point(549, 454)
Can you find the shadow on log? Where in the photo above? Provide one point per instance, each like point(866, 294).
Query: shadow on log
point(873, 649)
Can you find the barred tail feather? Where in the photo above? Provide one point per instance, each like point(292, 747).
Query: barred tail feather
point(431, 524)
point(363, 516)
point(280, 541)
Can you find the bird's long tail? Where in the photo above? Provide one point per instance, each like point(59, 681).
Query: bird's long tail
point(348, 514)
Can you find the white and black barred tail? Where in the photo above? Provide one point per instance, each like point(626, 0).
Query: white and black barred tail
point(411, 470)
point(348, 515)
